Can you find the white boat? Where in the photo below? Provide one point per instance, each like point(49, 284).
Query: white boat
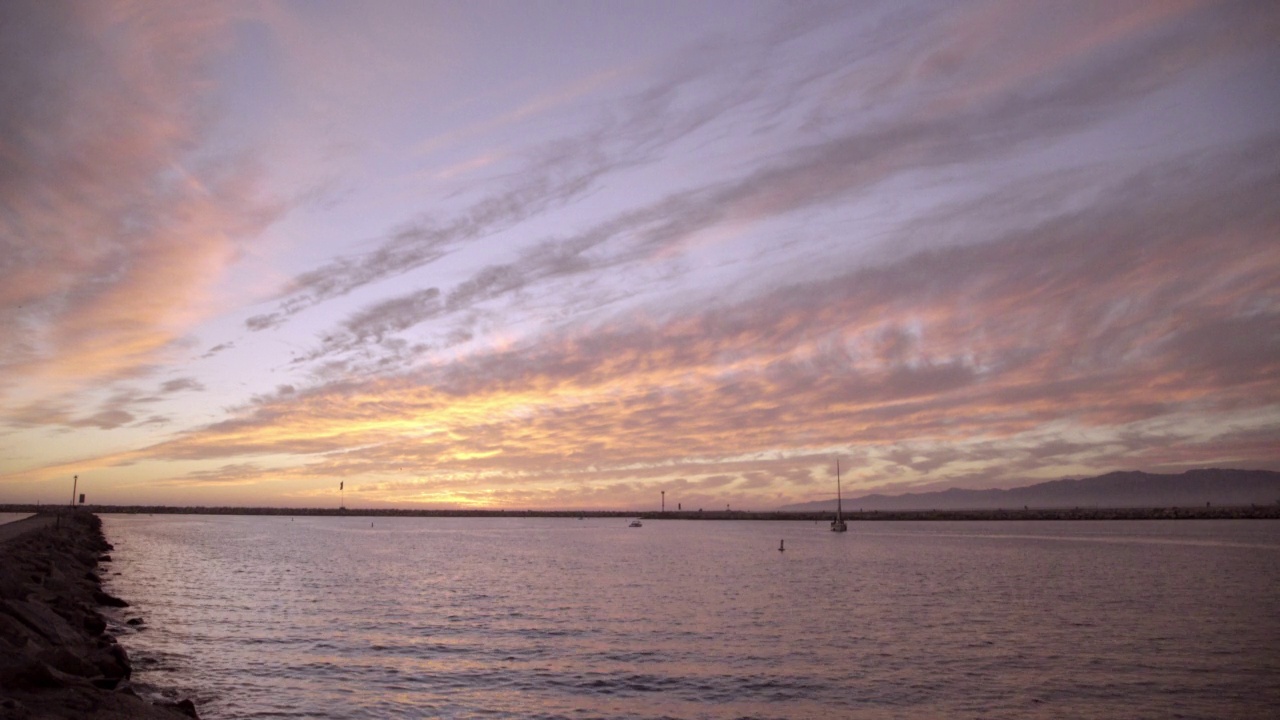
point(636, 523)
point(838, 525)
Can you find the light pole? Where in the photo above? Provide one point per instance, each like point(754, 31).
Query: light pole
point(75, 480)
point(664, 501)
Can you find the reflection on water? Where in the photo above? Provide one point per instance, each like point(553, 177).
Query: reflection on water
point(423, 617)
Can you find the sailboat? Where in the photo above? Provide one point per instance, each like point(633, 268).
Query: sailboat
point(838, 525)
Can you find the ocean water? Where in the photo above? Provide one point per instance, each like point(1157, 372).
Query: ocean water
point(563, 618)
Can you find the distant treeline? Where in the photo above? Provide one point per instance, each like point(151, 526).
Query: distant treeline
point(1249, 512)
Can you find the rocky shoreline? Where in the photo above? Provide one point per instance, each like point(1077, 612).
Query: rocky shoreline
point(57, 659)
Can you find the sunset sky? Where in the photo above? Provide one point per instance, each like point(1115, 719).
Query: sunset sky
point(573, 254)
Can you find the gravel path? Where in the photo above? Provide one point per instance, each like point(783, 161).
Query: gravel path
point(9, 531)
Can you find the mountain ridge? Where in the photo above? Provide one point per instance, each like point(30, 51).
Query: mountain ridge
point(1117, 489)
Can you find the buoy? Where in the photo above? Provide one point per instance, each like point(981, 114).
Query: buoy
point(782, 546)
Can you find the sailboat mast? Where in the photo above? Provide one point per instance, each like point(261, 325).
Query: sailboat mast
point(839, 516)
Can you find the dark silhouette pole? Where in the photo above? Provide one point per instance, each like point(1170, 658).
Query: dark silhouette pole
point(664, 501)
point(75, 480)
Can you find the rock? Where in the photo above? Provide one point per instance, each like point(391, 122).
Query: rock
point(38, 675)
point(57, 660)
point(135, 621)
point(106, 683)
point(103, 598)
point(44, 622)
point(112, 661)
point(64, 660)
point(12, 587)
point(13, 633)
point(94, 624)
point(122, 658)
point(186, 707)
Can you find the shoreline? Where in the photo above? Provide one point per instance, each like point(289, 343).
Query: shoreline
point(57, 659)
point(1224, 512)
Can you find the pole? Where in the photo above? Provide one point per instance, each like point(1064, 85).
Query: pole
point(664, 501)
point(74, 481)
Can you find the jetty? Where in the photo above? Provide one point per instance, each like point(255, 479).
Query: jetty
point(1193, 512)
point(57, 659)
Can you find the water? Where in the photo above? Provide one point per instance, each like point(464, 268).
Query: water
point(496, 618)
point(7, 517)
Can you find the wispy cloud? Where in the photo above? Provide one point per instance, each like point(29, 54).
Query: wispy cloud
point(1032, 107)
point(220, 347)
point(638, 129)
point(232, 474)
point(113, 222)
point(968, 351)
point(180, 384)
point(954, 244)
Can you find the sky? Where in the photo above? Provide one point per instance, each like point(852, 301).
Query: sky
point(591, 255)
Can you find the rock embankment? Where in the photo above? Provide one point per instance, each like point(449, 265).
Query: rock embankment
point(57, 659)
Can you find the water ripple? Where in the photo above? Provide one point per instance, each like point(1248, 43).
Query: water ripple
point(543, 618)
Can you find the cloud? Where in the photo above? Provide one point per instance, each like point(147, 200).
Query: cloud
point(376, 322)
point(39, 414)
point(220, 347)
point(179, 384)
point(1009, 275)
point(113, 222)
point(117, 406)
point(1043, 103)
point(225, 475)
point(265, 321)
point(694, 90)
point(105, 420)
point(981, 354)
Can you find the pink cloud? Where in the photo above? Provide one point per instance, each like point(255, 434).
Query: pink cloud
point(973, 353)
point(117, 226)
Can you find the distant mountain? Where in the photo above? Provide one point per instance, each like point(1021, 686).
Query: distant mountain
point(1113, 490)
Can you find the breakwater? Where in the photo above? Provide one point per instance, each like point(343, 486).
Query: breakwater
point(1214, 512)
point(57, 659)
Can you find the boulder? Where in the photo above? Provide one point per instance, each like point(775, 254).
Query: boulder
point(46, 623)
point(107, 599)
point(186, 707)
point(57, 660)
